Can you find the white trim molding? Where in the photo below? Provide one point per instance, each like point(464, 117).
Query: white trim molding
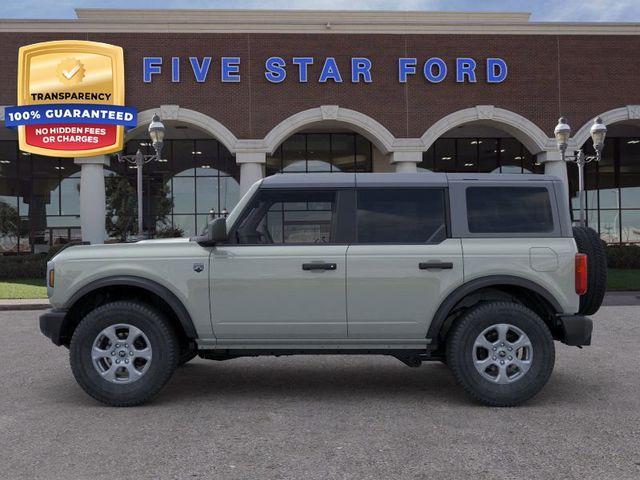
point(531, 136)
point(373, 130)
point(622, 114)
point(200, 120)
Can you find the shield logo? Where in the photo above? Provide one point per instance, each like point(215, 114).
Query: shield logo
point(198, 267)
point(77, 78)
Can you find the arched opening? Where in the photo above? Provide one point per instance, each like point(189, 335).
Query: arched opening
point(325, 149)
point(479, 147)
point(328, 139)
point(612, 185)
point(197, 179)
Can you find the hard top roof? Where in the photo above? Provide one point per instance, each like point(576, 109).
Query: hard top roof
point(420, 179)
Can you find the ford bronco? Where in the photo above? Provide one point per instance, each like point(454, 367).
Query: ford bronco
point(480, 271)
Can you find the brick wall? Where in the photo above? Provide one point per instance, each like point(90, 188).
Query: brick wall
point(578, 76)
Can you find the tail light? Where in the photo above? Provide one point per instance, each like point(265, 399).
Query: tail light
point(581, 273)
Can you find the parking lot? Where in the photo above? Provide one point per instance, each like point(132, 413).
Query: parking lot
point(322, 417)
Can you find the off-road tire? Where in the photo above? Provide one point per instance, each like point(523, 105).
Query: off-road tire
point(460, 345)
point(588, 242)
point(155, 326)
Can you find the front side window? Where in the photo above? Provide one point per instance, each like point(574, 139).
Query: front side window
point(288, 217)
point(509, 210)
point(401, 215)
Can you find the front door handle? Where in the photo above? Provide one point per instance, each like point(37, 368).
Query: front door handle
point(319, 266)
point(435, 265)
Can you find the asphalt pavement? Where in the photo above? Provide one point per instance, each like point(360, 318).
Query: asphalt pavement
point(322, 418)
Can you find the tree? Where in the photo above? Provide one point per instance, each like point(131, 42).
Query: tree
point(9, 221)
point(122, 207)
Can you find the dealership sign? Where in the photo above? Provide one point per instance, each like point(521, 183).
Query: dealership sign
point(70, 99)
point(323, 70)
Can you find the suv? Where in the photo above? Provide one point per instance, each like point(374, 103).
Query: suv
point(480, 271)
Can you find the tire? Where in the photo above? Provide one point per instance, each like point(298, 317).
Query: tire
point(588, 242)
point(462, 353)
point(137, 381)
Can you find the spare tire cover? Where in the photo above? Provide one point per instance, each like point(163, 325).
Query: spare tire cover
point(589, 243)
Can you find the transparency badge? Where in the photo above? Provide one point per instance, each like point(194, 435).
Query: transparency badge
point(70, 99)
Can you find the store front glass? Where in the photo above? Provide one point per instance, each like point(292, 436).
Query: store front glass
point(199, 179)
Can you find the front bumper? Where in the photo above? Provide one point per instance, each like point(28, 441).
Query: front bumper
point(575, 330)
point(52, 323)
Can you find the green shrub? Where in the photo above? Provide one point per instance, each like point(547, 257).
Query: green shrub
point(23, 266)
point(623, 256)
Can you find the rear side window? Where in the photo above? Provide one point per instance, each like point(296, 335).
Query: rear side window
point(401, 215)
point(509, 210)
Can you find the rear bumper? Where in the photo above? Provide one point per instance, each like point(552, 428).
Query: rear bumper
point(51, 324)
point(575, 330)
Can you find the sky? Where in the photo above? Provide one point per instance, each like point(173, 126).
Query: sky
point(542, 10)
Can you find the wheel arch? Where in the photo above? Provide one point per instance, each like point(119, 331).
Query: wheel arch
point(100, 291)
point(530, 293)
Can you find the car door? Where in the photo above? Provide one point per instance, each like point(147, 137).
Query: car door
point(283, 275)
point(402, 264)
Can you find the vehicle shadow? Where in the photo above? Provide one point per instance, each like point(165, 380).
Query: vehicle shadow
point(311, 378)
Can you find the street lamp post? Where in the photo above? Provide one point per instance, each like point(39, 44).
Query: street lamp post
point(156, 133)
point(562, 133)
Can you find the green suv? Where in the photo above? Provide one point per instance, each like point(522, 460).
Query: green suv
point(480, 271)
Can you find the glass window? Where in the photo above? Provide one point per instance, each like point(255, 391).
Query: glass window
point(488, 152)
point(509, 210)
point(445, 155)
point(274, 162)
point(364, 154)
point(288, 217)
point(294, 154)
point(343, 152)
point(467, 154)
point(184, 195)
point(207, 199)
point(401, 216)
point(319, 152)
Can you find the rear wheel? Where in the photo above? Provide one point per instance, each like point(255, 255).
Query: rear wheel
point(122, 353)
point(502, 353)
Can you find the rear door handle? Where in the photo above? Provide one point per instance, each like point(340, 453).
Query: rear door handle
point(435, 265)
point(319, 266)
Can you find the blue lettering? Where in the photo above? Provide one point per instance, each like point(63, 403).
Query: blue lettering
point(175, 69)
point(406, 66)
point(428, 70)
point(360, 67)
point(496, 70)
point(465, 67)
point(275, 69)
point(230, 70)
point(303, 64)
point(151, 66)
point(330, 71)
point(200, 71)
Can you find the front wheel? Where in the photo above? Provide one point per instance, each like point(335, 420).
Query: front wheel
point(502, 353)
point(122, 353)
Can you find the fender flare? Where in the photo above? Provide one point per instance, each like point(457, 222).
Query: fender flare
point(467, 288)
point(154, 287)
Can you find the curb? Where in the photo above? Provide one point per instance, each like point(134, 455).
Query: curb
point(16, 305)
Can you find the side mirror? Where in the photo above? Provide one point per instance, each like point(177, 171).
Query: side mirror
point(216, 233)
point(218, 230)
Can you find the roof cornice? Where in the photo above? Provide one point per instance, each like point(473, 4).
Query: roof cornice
point(310, 21)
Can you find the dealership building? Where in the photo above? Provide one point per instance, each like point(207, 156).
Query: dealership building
point(247, 94)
